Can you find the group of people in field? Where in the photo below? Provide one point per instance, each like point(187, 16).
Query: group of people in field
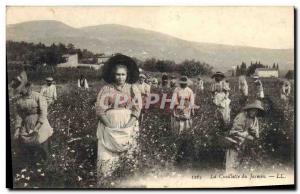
point(125, 98)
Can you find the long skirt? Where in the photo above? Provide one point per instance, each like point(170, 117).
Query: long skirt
point(179, 125)
point(112, 142)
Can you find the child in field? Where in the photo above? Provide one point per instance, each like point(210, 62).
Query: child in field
point(49, 91)
point(220, 95)
point(82, 83)
point(259, 90)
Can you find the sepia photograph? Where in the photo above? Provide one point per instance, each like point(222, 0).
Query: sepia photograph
point(150, 97)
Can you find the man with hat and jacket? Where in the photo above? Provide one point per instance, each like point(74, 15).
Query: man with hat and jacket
point(245, 130)
point(49, 91)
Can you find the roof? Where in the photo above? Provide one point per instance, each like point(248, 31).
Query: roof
point(265, 69)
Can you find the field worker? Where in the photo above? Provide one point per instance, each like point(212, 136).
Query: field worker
point(285, 91)
point(222, 103)
point(154, 82)
point(181, 119)
point(32, 128)
point(165, 82)
point(49, 91)
point(145, 92)
point(243, 89)
point(227, 86)
point(244, 132)
point(118, 108)
point(259, 90)
point(173, 82)
point(218, 84)
point(200, 84)
point(82, 83)
point(183, 110)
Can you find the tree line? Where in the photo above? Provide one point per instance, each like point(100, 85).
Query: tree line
point(36, 55)
point(244, 70)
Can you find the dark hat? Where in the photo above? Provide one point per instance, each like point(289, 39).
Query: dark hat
point(255, 105)
point(164, 76)
point(218, 73)
point(183, 80)
point(119, 59)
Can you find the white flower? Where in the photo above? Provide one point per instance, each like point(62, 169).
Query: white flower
point(79, 178)
point(39, 170)
point(43, 174)
point(28, 178)
point(22, 176)
point(25, 184)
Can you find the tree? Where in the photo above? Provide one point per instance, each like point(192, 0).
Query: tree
point(251, 69)
point(274, 66)
point(243, 69)
point(193, 68)
point(238, 71)
point(290, 74)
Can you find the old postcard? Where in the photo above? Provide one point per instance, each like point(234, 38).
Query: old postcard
point(150, 97)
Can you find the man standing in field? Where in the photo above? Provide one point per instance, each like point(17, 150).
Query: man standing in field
point(49, 91)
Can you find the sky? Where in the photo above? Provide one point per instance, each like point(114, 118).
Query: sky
point(264, 27)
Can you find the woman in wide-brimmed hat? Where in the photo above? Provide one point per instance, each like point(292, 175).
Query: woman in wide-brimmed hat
point(118, 108)
point(49, 91)
point(32, 128)
point(245, 129)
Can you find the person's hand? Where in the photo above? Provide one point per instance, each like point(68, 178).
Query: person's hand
point(37, 127)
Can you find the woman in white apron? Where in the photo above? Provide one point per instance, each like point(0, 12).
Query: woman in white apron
point(118, 108)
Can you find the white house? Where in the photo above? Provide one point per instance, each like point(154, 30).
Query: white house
point(72, 61)
point(265, 72)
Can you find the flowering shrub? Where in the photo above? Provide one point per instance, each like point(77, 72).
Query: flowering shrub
point(73, 151)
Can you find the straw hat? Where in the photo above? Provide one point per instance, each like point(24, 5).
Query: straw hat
point(143, 76)
point(255, 105)
point(183, 80)
point(110, 65)
point(49, 79)
point(154, 81)
point(218, 73)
